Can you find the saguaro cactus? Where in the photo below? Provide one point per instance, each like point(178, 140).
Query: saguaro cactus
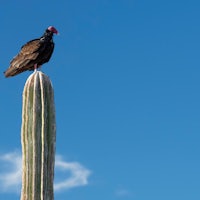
point(38, 134)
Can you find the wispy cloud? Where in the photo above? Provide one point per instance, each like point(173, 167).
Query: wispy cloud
point(122, 192)
point(10, 179)
point(79, 174)
point(10, 173)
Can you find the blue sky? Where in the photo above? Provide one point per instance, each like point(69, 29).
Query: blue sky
point(126, 81)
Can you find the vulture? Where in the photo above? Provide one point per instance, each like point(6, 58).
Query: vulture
point(33, 54)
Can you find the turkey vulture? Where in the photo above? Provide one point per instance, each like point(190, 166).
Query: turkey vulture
point(33, 54)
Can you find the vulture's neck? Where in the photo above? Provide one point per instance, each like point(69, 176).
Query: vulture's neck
point(47, 37)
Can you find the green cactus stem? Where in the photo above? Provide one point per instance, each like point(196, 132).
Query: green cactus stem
point(38, 135)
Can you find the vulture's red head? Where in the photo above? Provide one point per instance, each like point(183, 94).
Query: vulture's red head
point(53, 29)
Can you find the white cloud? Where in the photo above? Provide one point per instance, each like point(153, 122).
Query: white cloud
point(10, 179)
point(79, 174)
point(10, 173)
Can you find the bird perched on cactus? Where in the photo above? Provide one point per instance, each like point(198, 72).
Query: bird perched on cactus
point(33, 54)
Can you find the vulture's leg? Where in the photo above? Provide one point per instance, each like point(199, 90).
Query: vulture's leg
point(35, 67)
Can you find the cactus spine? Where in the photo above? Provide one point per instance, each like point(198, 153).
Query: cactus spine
point(38, 135)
